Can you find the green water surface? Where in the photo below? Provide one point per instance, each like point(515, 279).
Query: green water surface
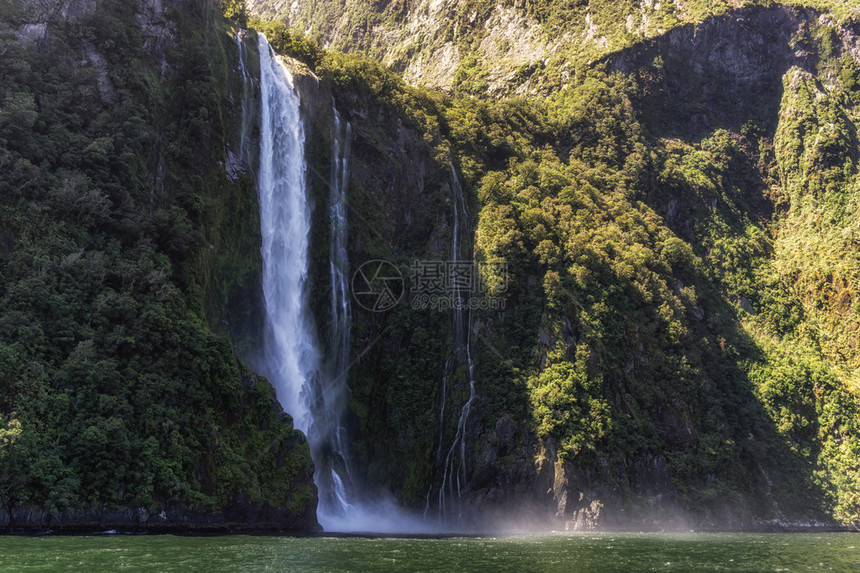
point(581, 552)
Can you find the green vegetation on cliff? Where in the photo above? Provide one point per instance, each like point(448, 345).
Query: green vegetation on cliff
point(679, 222)
point(123, 244)
point(680, 234)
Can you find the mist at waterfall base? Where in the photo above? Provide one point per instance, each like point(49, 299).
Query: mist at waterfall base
point(311, 387)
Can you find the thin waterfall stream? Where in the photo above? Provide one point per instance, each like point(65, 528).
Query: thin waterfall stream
point(453, 477)
point(247, 103)
point(329, 442)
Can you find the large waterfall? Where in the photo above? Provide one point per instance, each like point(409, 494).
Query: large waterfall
point(291, 357)
point(311, 385)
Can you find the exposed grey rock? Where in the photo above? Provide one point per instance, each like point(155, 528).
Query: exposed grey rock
point(142, 515)
point(43, 11)
point(95, 59)
point(710, 65)
point(30, 34)
point(159, 33)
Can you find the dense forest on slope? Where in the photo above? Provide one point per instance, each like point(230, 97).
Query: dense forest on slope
point(679, 221)
point(124, 242)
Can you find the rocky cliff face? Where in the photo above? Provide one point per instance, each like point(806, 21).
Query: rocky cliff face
point(426, 40)
point(159, 32)
point(695, 90)
point(723, 72)
point(626, 301)
point(488, 46)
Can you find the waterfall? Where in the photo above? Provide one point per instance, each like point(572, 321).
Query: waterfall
point(341, 312)
point(291, 357)
point(327, 435)
point(248, 110)
point(453, 477)
point(314, 390)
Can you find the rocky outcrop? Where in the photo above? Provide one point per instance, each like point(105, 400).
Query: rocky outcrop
point(722, 72)
point(500, 43)
point(160, 33)
point(46, 10)
point(606, 493)
point(37, 16)
point(40, 16)
point(424, 40)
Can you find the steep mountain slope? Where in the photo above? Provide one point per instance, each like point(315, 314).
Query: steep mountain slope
point(668, 351)
point(496, 47)
point(126, 246)
point(664, 225)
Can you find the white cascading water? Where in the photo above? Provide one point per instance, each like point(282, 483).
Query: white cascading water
point(341, 311)
point(344, 505)
point(453, 477)
point(309, 389)
point(313, 390)
point(329, 444)
point(291, 357)
point(247, 101)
